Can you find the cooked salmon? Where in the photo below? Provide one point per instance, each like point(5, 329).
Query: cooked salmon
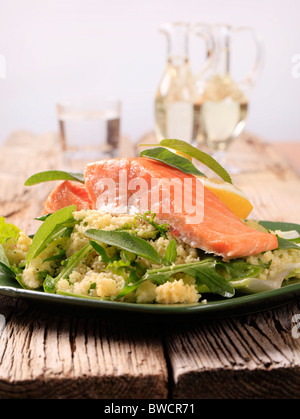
point(219, 232)
point(65, 194)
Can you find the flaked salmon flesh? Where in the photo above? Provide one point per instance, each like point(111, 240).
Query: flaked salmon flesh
point(216, 230)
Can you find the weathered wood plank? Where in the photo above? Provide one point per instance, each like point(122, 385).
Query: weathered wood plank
point(45, 355)
point(252, 356)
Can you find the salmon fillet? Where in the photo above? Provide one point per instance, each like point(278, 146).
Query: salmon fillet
point(65, 194)
point(219, 232)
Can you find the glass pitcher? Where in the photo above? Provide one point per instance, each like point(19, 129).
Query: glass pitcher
point(223, 101)
point(176, 107)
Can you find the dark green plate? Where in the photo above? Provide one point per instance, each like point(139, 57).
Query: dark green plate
point(214, 308)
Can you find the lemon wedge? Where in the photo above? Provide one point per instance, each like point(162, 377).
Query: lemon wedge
point(233, 197)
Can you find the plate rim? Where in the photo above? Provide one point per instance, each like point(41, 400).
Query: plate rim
point(242, 301)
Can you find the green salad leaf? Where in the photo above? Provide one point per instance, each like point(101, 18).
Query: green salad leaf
point(273, 226)
point(171, 253)
point(126, 241)
point(204, 272)
point(71, 263)
point(51, 175)
point(58, 224)
point(5, 267)
point(279, 225)
point(178, 162)
point(8, 231)
point(286, 244)
point(189, 150)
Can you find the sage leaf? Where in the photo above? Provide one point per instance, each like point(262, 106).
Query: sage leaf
point(166, 156)
point(50, 175)
point(125, 241)
point(52, 228)
point(286, 244)
point(197, 154)
point(278, 225)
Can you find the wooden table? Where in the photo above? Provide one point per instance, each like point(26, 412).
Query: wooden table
point(48, 354)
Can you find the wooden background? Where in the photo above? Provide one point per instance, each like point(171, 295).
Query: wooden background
point(66, 354)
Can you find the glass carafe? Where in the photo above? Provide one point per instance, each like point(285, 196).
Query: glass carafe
point(176, 107)
point(224, 102)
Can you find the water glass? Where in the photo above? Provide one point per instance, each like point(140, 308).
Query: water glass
point(89, 130)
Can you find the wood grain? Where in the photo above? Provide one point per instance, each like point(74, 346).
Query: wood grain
point(75, 356)
point(246, 357)
point(49, 354)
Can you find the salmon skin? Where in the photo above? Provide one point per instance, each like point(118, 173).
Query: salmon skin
point(218, 230)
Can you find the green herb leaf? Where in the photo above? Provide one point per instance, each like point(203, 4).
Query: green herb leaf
point(199, 155)
point(204, 272)
point(168, 157)
point(72, 262)
point(239, 268)
point(278, 225)
point(286, 244)
point(5, 265)
point(149, 217)
point(125, 241)
point(51, 175)
point(52, 228)
point(283, 226)
point(60, 256)
point(101, 252)
point(171, 253)
point(8, 231)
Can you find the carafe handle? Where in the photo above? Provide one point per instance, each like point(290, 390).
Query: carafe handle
point(254, 72)
point(203, 30)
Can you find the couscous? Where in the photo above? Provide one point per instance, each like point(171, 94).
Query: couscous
point(173, 272)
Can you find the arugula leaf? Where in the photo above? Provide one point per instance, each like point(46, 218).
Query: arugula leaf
point(161, 228)
point(101, 252)
point(204, 272)
point(72, 262)
point(286, 244)
point(8, 231)
point(54, 227)
point(239, 268)
point(282, 226)
point(171, 253)
point(132, 284)
point(125, 241)
point(51, 175)
point(168, 157)
point(278, 225)
point(197, 154)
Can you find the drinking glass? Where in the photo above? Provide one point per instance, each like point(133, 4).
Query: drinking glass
point(89, 130)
